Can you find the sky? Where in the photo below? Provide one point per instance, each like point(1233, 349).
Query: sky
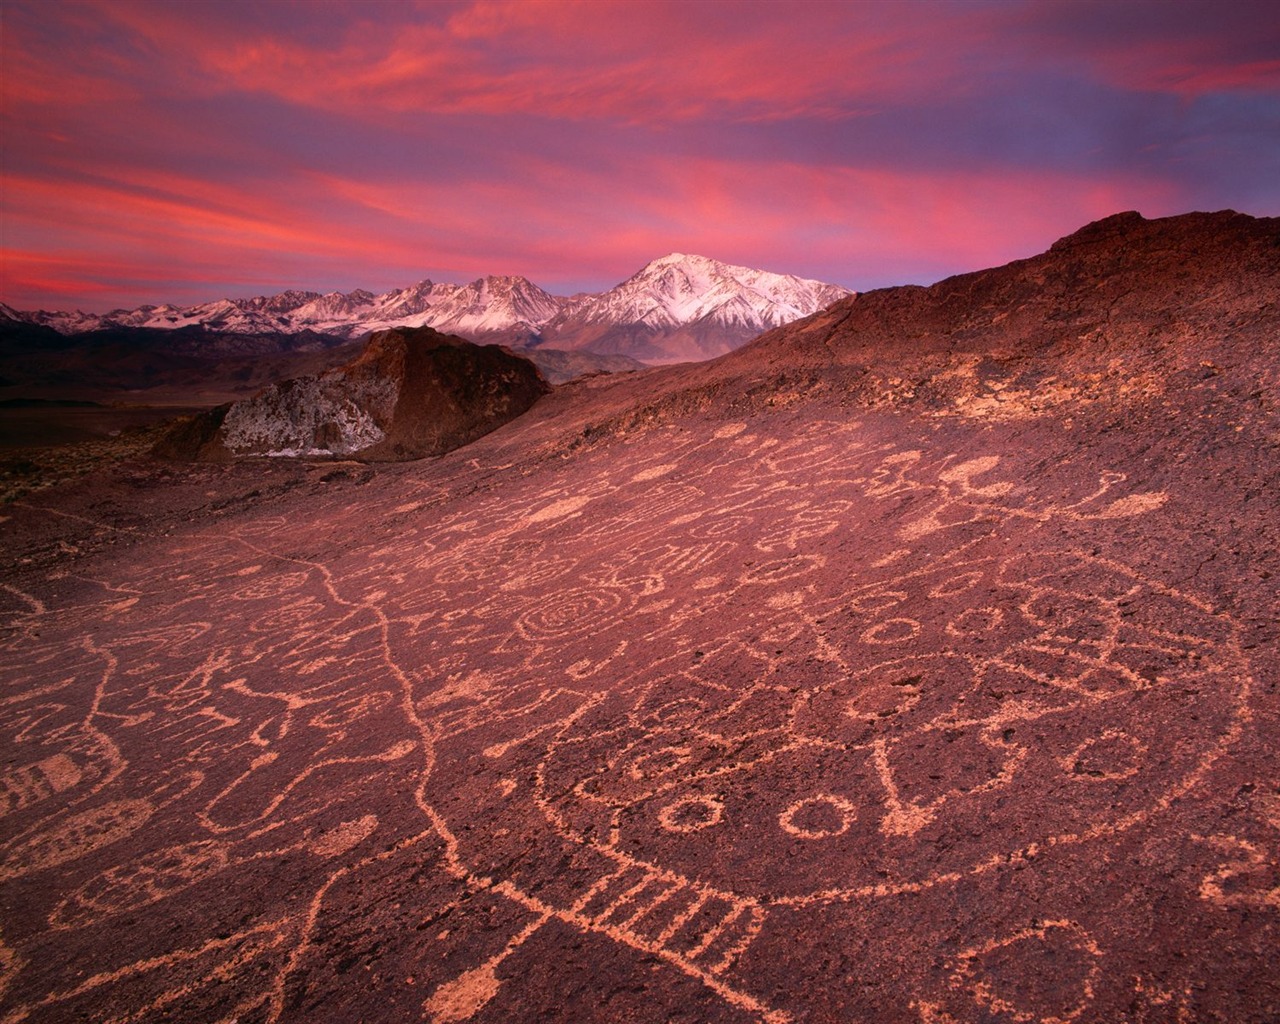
point(183, 152)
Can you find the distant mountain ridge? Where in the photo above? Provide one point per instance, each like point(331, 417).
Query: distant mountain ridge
point(677, 307)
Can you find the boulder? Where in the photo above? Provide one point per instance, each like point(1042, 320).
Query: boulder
point(412, 392)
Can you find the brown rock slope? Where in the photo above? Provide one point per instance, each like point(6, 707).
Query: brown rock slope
point(411, 392)
point(916, 663)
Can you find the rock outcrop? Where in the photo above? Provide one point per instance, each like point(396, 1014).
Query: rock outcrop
point(1123, 294)
point(412, 392)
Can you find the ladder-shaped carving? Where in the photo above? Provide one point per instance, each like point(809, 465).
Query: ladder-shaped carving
point(31, 783)
point(659, 911)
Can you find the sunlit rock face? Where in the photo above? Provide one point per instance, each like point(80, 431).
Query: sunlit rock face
point(325, 415)
point(411, 393)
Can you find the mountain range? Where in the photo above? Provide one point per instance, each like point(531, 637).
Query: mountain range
point(677, 308)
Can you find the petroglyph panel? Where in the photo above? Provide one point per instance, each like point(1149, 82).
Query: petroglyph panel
point(667, 703)
point(839, 744)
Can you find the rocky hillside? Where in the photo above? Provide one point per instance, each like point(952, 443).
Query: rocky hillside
point(1126, 313)
point(917, 663)
point(1153, 292)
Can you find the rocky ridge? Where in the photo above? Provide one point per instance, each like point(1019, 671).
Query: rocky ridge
point(1127, 312)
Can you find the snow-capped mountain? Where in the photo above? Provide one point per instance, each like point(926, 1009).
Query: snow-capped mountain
point(63, 323)
point(686, 307)
point(678, 289)
point(677, 307)
point(494, 305)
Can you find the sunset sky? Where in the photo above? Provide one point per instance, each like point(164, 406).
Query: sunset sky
point(179, 152)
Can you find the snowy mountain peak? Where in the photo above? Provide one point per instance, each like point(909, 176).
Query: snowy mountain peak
point(680, 289)
point(282, 303)
point(493, 304)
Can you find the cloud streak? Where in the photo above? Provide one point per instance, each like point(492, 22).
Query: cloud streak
point(204, 149)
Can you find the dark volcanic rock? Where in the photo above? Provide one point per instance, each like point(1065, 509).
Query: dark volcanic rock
point(411, 393)
point(1125, 315)
point(16, 336)
point(919, 664)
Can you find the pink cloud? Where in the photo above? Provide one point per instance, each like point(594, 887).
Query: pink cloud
point(1184, 72)
point(64, 277)
point(632, 62)
point(139, 210)
point(149, 226)
point(656, 62)
point(776, 214)
point(866, 220)
point(554, 223)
